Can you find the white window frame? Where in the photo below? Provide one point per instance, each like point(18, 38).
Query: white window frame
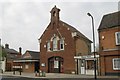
point(117, 43)
point(48, 46)
point(61, 43)
point(116, 68)
point(55, 44)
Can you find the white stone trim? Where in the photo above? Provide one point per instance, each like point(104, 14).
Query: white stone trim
point(74, 34)
point(88, 57)
point(25, 60)
point(117, 38)
point(113, 61)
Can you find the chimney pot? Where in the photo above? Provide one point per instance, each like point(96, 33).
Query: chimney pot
point(20, 50)
point(7, 46)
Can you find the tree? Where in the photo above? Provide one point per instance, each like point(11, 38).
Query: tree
point(2, 53)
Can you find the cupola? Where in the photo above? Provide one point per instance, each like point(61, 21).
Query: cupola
point(55, 15)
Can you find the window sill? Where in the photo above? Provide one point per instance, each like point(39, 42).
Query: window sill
point(118, 44)
point(116, 69)
point(61, 49)
point(56, 50)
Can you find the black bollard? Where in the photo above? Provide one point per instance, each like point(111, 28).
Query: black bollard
point(2, 71)
point(20, 72)
point(13, 71)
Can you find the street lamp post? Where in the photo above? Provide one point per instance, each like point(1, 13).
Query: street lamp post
point(95, 76)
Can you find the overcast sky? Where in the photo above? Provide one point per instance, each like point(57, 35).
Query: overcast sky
point(22, 23)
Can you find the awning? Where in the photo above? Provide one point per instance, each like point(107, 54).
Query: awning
point(87, 57)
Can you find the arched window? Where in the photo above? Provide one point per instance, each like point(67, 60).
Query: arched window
point(61, 44)
point(48, 46)
point(54, 13)
point(55, 44)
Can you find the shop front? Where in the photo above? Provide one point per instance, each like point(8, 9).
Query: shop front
point(85, 64)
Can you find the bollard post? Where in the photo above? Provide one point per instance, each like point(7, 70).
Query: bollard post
point(13, 71)
point(20, 71)
point(39, 72)
point(43, 74)
point(35, 73)
point(2, 71)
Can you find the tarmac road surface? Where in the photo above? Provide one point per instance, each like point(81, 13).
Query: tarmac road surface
point(26, 78)
point(52, 76)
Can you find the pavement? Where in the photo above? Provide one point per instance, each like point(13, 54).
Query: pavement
point(53, 75)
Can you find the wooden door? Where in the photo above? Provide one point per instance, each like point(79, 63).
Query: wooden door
point(55, 65)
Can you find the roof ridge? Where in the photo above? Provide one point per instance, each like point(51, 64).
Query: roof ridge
point(11, 49)
point(110, 20)
point(75, 30)
point(116, 12)
point(32, 51)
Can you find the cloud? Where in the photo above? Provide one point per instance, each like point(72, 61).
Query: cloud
point(59, 0)
point(24, 22)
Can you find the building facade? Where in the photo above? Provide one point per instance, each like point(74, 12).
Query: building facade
point(2, 59)
point(59, 43)
point(85, 64)
point(11, 54)
point(109, 41)
point(29, 62)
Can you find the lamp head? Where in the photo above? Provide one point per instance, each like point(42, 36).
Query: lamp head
point(88, 14)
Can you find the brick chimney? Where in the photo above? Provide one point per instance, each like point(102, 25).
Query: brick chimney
point(7, 46)
point(20, 50)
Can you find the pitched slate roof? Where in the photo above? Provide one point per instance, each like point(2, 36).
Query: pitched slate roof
point(11, 53)
point(110, 20)
point(33, 54)
point(10, 50)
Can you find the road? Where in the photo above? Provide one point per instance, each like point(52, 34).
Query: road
point(25, 78)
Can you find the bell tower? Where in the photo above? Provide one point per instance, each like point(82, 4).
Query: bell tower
point(55, 16)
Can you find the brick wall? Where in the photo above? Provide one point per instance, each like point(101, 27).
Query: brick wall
point(28, 67)
point(107, 38)
point(108, 50)
point(61, 30)
point(67, 54)
point(82, 47)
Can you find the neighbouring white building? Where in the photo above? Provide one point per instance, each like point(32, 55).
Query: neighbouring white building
point(2, 65)
point(2, 60)
point(85, 64)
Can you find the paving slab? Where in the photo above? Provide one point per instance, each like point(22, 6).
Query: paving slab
point(57, 75)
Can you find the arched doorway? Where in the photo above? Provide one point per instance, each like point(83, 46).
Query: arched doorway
point(55, 64)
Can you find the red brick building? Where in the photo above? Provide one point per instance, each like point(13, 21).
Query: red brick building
point(11, 55)
point(59, 43)
point(29, 61)
point(109, 40)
